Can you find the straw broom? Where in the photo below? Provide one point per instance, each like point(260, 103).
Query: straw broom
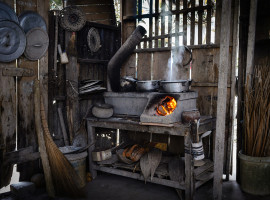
point(257, 114)
point(66, 180)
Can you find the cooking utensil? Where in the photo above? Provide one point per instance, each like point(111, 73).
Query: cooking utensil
point(29, 20)
point(190, 116)
point(37, 42)
point(72, 18)
point(105, 154)
point(128, 84)
point(147, 86)
point(175, 86)
point(7, 13)
point(12, 41)
point(102, 110)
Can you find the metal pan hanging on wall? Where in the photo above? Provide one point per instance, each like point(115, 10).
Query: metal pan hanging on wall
point(7, 13)
point(72, 18)
point(12, 41)
point(37, 42)
point(93, 40)
point(29, 20)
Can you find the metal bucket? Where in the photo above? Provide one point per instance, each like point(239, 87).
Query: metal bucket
point(255, 174)
point(78, 161)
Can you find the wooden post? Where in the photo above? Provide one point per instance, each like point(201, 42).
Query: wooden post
point(91, 139)
point(41, 143)
point(233, 79)
point(189, 181)
point(251, 42)
point(222, 96)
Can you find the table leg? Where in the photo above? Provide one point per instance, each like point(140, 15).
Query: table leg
point(91, 138)
point(189, 165)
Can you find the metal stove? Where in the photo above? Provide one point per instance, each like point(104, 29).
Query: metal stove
point(144, 105)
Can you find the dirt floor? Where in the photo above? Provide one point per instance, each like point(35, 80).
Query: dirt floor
point(112, 187)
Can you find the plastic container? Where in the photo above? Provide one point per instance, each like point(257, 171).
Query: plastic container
point(255, 174)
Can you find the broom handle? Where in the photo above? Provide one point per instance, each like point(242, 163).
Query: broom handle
point(41, 143)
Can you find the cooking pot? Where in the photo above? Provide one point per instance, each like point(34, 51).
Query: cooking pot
point(128, 84)
point(175, 86)
point(148, 86)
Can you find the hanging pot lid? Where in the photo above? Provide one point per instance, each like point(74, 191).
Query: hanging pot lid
point(93, 40)
point(12, 41)
point(37, 42)
point(7, 13)
point(29, 20)
point(72, 18)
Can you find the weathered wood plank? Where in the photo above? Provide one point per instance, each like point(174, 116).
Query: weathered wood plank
point(170, 25)
point(192, 25)
point(163, 4)
point(91, 139)
point(12, 71)
point(189, 167)
point(20, 156)
point(177, 4)
point(7, 118)
point(200, 16)
point(222, 94)
point(156, 22)
point(251, 43)
point(137, 176)
point(208, 25)
point(217, 21)
point(185, 23)
point(144, 66)
point(160, 62)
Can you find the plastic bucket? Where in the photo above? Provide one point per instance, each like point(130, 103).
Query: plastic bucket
point(78, 161)
point(255, 174)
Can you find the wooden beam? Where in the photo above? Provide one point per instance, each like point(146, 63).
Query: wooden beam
point(251, 42)
point(233, 80)
point(12, 71)
point(222, 96)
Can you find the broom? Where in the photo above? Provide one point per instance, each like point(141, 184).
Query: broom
point(66, 180)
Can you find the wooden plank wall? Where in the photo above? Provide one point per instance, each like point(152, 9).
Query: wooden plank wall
point(7, 117)
point(99, 11)
point(26, 118)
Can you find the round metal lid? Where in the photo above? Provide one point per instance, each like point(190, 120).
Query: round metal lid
point(7, 13)
point(37, 42)
point(12, 41)
point(29, 20)
point(72, 18)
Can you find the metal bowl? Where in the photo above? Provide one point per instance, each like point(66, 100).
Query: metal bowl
point(147, 86)
point(175, 86)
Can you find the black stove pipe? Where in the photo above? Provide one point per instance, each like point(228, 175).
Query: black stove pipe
point(121, 55)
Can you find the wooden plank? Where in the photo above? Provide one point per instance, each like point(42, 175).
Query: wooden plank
point(20, 156)
point(163, 4)
point(63, 126)
point(233, 80)
point(156, 21)
point(91, 139)
point(206, 167)
point(208, 25)
point(129, 66)
point(12, 71)
point(200, 16)
point(177, 5)
point(251, 43)
point(170, 25)
point(217, 21)
point(222, 94)
point(87, 2)
point(189, 167)
point(185, 23)
point(137, 176)
point(151, 24)
point(192, 24)
point(144, 66)
point(95, 9)
point(160, 62)
point(206, 178)
point(98, 16)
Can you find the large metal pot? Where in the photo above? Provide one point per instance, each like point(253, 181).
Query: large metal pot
point(175, 86)
point(147, 86)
